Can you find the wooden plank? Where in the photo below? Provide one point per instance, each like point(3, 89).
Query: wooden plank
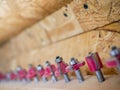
point(30, 39)
point(7, 54)
point(74, 18)
point(61, 24)
point(17, 15)
point(48, 5)
point(92, 14)
point(115, 27)
point(111, 83)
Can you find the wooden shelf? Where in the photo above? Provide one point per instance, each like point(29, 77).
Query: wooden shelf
point(111, 83)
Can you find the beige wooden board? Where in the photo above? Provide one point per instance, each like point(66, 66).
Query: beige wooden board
point(31, 38)
point(61, 24)
point(48, 5)
point(115, 27)
point(111, 83)
point(98, 13)
point(16, 15)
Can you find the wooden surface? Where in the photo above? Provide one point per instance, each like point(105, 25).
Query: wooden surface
point(99, 12)
point(61, 24)
point(111, 83)
point(115, 27)
point(16, 15)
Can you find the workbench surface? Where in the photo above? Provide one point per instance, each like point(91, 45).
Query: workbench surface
point(91, 82)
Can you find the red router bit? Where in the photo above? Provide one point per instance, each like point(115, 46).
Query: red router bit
point(2, 77)
point(114, 61)
point(50, 71)
point(61, 69)
point(32, 73)
point(22, 74)
point(75, 65)
point(41, 72)
point(13, 76)
point(95, 65)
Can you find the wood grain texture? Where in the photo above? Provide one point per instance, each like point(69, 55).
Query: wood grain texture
point(97, 13)
point(16, 15)
point(61, 24)
point(34, 37)
point(115, 27)
point(51, 29)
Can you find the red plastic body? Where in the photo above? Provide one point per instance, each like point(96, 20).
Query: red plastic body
point(113, 62)
point(2, 76)
point(41, 72)
point(32, 73)
point(13, 76)
point(22, 74)
point(61, 68)
point(94, 62)
point(78, 65)
point(48, 71)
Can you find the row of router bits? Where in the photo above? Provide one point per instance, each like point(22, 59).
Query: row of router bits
point(61, 69)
